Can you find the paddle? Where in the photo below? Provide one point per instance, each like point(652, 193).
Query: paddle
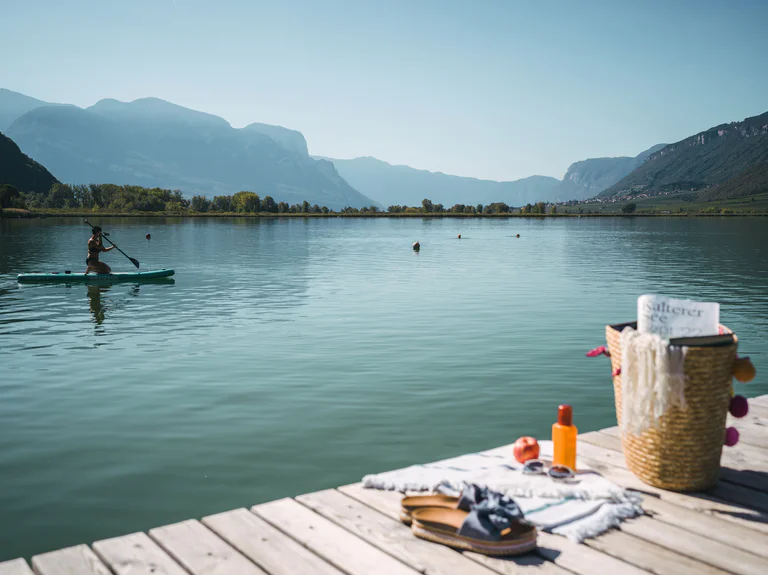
point(103, 235)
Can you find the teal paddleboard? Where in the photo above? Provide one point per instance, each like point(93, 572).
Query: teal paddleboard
point(66, 277)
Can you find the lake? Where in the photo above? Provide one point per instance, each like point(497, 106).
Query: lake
point(292, 355)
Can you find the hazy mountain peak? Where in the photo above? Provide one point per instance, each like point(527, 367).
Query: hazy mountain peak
point(591, 176)
point(291, 140)
point(652, 150)
point(154, 109)
point(13, 105)
point(11, 97)
point(154, 143)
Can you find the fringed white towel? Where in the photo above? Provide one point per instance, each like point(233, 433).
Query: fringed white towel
point(652, 379)
point(581, 509)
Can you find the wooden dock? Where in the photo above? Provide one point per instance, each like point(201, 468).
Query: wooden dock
point(355, 531)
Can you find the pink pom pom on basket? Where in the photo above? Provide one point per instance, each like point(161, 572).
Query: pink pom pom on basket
point(739, 406)
point(731, 436)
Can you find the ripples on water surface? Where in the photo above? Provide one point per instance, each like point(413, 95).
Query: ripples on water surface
point(295, 355)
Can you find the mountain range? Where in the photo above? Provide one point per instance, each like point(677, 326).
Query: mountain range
point(13, 105)
point(21, 171)
point(726, 155)
point(154, 143)
point(592, 176)
point(403, 185)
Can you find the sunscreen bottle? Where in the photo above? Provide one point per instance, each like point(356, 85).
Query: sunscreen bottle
point(564, 438)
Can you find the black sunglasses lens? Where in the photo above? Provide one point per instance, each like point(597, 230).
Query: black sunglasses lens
point(560, 472)
point(533, 466)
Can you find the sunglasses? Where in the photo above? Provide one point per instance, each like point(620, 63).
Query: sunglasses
point(556, 472)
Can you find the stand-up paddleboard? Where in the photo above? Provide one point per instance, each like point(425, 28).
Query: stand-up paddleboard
point(66, 277)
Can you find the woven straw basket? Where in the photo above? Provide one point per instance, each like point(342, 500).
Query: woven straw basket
point(683, 452)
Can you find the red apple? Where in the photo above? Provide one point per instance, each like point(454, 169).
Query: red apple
point(526, 448)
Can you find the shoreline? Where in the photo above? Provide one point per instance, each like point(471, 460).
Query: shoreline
point(27, 214)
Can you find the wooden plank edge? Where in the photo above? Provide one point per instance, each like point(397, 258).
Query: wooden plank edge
point(15, 567)
point(136, 552)
point(649, 555)
point(423, 557)
point(340, 557)
point(734, 498)
point(190, 557)
point(78, 559)
point(553, 554)
point(268, 547)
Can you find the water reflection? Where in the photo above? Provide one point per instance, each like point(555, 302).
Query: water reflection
point(40, 245)
point(101, 304)
point(96, 306)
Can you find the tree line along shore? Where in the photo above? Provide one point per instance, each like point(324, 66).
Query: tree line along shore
point(118, 200)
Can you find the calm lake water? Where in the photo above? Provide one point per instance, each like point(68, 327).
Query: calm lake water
point(295, 355)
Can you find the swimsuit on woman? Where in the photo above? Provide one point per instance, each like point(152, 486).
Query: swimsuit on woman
point(93, 255)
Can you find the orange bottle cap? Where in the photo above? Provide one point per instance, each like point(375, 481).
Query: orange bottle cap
point(565, 415)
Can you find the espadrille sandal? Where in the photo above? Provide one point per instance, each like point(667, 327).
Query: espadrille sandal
point(488, 528)
point(471, 495)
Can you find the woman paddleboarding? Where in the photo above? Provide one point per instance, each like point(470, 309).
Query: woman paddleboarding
point(96, 245)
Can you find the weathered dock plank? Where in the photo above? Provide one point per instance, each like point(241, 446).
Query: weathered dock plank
point(269, 548)
point(15, 567)
point(649, 556)
point(696, 547)
point(603, 462)
point(349, 552)
point(707, 525)
point(136, 554)
point(652, 556)
point(739, 461)
point(77, 560)
point(389, 535)
point(388, 503)
point(202, 552)
point(745, 466)
point(753, 429)
point(757, 414)
point(749, 498)
point(761, 401)
point(744, 474)
point(582, 559)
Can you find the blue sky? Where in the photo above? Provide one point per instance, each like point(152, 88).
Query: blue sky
point(491, 89)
